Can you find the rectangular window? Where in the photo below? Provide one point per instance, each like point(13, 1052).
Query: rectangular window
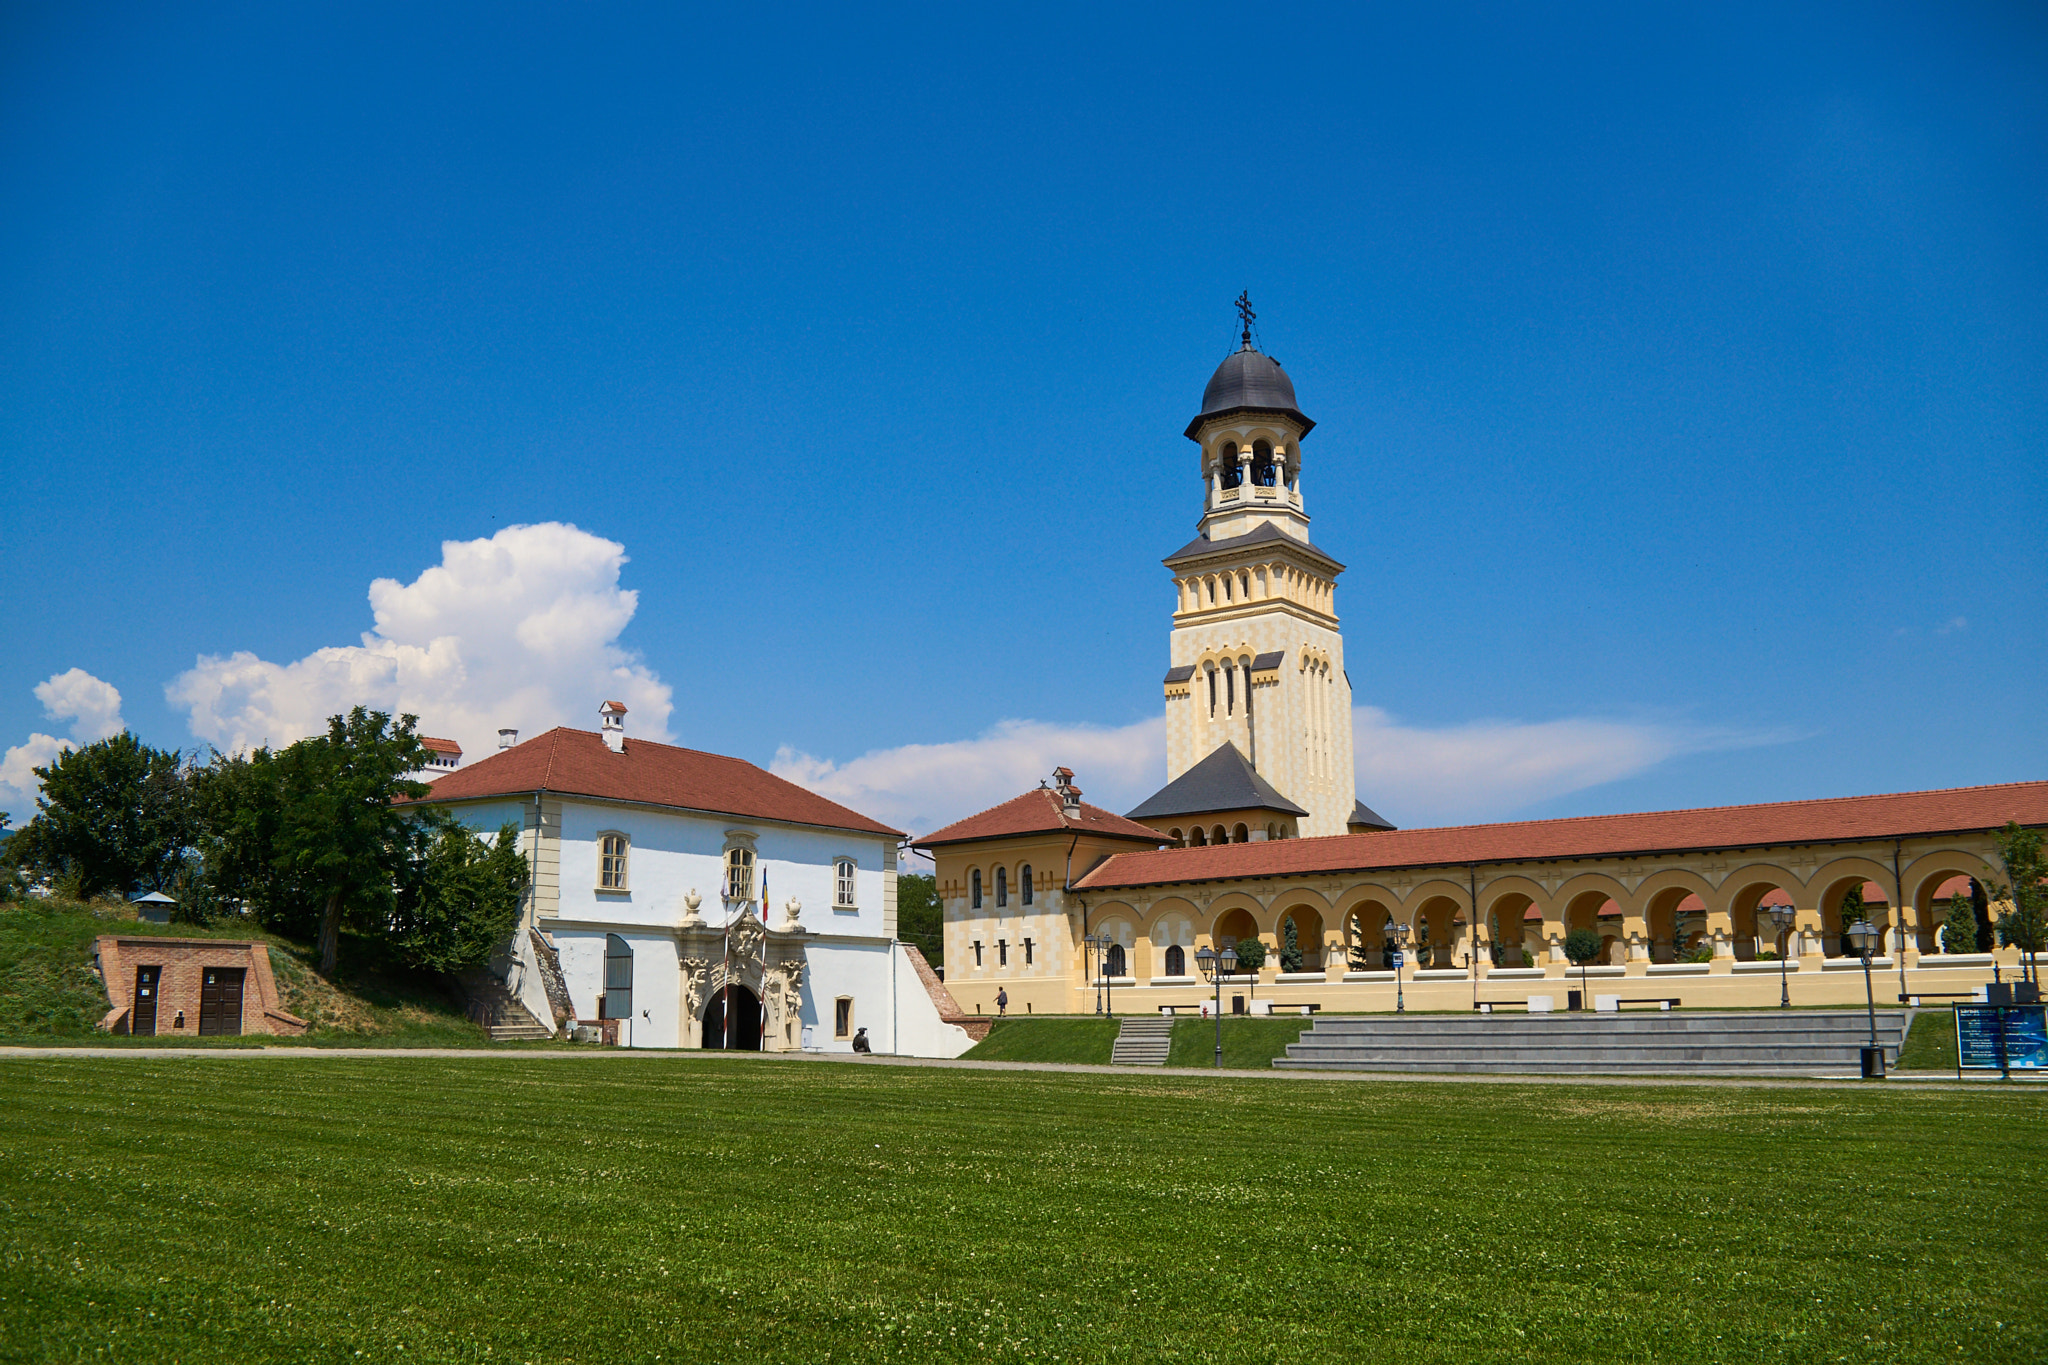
point(842, 894)
point(1027, 952)
point(1002, 952)
point(611, 863)
point(842, 1017)
point(977, 952)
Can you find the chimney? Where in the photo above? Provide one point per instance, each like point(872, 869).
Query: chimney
point(1070, 795)
point(507, 738)
point(612, 717)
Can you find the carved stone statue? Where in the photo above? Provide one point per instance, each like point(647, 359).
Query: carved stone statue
point(792, 909)
point(696, 990)
point(747, 935)
point(691, 918)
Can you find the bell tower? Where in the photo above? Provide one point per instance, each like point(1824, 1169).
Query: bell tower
point(1257, 657)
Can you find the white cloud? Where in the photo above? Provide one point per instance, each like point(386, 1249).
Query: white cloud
point(1952, 625)
point(94, 709)
point(518, 630)
point(919, 787)
point(1482, 770)
point(1489, 769)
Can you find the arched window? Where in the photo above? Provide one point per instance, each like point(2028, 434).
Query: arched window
point(1219, 835)
point(1272, 831)
point(1176, 961)
point(1240, 835)
point(611, 862)
point(974, 883)
point(1002, 887)
point(1262, 463)
point(1024, 883)
point(739, 874)
point(618, 979)
point(1228, 466)
point(1229, 690)
point(1196, 838)
point(1116, 960)
point(845, 883)
point(1178, 838)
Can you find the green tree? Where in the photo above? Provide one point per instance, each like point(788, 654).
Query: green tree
point(1290, 947)
point(1853, 909)
point(1959, 925)
point(1582, 946)
point(2024, 925)
point(1251, 955)
point(920, 917)
point(114, 816)
point(458, 901)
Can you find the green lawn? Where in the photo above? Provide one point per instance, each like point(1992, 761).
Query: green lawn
point(49, 993)
point(743, 1209)
point(1047, 1038)
point(1931, 1046)
point(1247, 1041)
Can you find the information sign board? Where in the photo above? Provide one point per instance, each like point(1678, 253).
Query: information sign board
point(1399, 958)
point(2025, 1037)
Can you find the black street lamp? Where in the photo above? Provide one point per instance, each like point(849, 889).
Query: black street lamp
point(1214, 969)
point(1862, 938)
point(1398, 933)
point(1102, 947)
point(1781, 920)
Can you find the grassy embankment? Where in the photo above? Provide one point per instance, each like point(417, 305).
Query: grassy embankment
point(730, 1208)
point(49, 993)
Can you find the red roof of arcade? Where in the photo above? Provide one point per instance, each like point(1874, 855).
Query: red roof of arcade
point(579, 763)
point(1039, 812)
point(1784, 822)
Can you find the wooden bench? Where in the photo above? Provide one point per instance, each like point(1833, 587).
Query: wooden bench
point(1305, 1006)
point(1665, 1001)
point(1176, 1009)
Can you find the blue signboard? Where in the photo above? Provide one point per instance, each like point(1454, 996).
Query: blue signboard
point(2024, 1043)
point(1399, 958)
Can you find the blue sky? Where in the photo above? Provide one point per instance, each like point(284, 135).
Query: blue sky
point(1681, 380)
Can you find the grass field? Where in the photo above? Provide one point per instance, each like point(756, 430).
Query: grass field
point(49, 992)
point(615, 1209)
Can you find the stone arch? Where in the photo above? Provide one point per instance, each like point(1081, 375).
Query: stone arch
point(1751, 933)
point(1438, 912)
point(1308, 933)
point(1233, 926)
point(1507, 926)
point(1361, 917)
point(1834, 882)
point(1926, 879)
point(1170, 929)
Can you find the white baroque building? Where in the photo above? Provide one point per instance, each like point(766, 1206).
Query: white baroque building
point(667, 881)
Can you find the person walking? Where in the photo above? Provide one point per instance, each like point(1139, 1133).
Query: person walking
point(1002, 1003)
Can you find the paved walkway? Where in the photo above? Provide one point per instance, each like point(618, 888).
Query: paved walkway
point(1917, 1081)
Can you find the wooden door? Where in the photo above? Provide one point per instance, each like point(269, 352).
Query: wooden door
point(220, 1000)
point(142, 1016)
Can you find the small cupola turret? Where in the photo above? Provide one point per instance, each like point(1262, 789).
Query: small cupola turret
point(612, 718)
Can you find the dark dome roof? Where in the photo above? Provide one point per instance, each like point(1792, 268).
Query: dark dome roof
point(1248, 380)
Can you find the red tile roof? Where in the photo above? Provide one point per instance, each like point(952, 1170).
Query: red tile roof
point(440, 746)
point(1836, 819)
point(1039, 812)
point(579, 763)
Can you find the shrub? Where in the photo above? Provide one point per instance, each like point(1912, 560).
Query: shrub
point(1959, 925)
point(1251, 953)
point(1290, 948)
point(1582, 946)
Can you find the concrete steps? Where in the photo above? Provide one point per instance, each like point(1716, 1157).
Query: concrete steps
point(498, 1010)
point(1143, 1040)
point(1802, 1043)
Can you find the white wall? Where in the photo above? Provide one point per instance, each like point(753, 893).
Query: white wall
point(657, 981)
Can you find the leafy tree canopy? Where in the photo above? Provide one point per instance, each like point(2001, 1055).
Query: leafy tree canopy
point(1582, 946)
point(458, 900)
point(114, 817)
point(920, 918)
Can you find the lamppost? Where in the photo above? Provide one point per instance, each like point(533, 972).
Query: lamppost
point(1781, 920)
point(1102, 947)
point(1398, 934)
point(1862, 938)
point(1214, 969)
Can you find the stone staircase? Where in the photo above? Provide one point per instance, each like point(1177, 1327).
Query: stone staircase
point(1143, 1040)
point(1756, 1043)
point(498, 1010)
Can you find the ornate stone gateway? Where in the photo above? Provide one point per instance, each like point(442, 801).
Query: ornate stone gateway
point(765, 967)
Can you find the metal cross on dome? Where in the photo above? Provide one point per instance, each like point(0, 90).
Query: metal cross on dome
point(1245, 314)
